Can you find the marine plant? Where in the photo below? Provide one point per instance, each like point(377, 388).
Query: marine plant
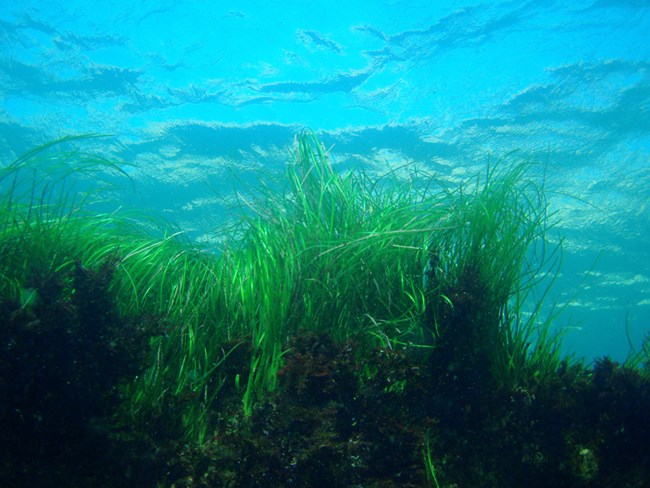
point(426, 299)
point(334, 253)
point(429, 466)
point(490, 268)
point(339, 254)
point(59, 215)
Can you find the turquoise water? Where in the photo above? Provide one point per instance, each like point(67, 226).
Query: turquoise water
point(199, 94)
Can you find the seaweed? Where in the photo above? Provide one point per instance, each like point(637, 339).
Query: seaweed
point(350, 331)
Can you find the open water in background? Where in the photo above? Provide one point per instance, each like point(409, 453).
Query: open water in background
point(195, 92)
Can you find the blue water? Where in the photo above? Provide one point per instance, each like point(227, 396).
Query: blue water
point(199, 93)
